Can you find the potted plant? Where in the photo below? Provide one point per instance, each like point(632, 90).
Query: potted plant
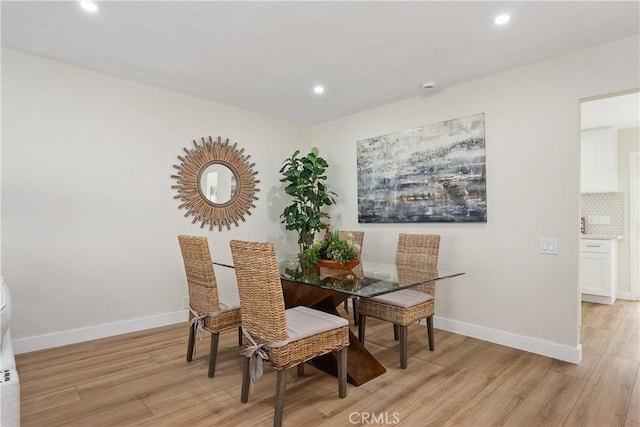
point(305, 183)
point(342, 253)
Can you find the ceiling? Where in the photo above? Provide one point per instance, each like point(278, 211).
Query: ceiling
point(267, 56)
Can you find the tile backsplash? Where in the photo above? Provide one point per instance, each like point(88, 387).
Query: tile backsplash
point(603, 204)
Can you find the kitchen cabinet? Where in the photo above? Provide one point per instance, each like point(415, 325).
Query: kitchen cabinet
point(598, 270)
point(599, 160)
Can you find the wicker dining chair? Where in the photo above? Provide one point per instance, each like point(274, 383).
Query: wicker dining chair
point(287, 337)
point(358, 238)
point(406, 306)
point(211, 309)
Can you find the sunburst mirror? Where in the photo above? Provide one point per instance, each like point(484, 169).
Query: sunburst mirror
point(216, 183)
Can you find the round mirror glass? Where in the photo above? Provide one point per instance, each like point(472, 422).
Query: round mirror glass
point(218, 184)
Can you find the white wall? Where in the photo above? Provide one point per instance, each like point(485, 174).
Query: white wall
point(89, 218)
point(79, 258)
point(510, 293)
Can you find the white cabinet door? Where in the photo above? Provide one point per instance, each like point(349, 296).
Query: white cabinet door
point(598, 262)
point(599, 160)
point(596, 273)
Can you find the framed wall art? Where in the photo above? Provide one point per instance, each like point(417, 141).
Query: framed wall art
point(435, 173)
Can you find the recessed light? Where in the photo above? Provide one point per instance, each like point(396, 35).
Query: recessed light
point(502, 19)
point(318, 90)
point(89, 6)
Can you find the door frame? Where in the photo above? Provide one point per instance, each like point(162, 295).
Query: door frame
point(634, 224)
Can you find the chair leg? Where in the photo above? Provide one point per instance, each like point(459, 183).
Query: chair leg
point(240, 336)
point(403, 346)
point(361, 327)
point(244, 396)
point(281, 383)
point(395, 332)
point(346, 305)
point(301, 370)
point(213, 354)
point(342, 372)
point(354, 304)
point(192, 342)
point(432, 345)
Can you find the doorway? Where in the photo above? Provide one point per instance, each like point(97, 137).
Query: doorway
point(610, 177)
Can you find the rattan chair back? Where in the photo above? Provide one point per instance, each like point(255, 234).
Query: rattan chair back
point(418, 251)
point(201, 278)
point(261, 299)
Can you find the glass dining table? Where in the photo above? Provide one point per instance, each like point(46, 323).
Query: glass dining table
point(327, 288)
point(367, 279)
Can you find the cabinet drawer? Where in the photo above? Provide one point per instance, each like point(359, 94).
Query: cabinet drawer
point(598, 246)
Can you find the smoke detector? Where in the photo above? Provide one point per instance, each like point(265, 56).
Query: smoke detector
point(428, 85)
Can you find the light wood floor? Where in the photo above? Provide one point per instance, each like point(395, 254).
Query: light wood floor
point(143, 379)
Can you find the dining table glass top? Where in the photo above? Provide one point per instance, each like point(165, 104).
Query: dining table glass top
point(367, 279)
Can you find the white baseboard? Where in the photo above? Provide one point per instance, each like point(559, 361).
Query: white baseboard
point(532, 345)
point(41, 342)
point(598, 299)
point(57, 339)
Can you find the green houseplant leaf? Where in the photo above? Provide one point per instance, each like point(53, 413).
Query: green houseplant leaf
point(332, 247)
point(304, 179)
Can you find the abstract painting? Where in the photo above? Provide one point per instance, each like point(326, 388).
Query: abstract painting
point(435, 173)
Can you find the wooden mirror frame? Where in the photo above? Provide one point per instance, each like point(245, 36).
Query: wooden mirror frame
point(191, 168)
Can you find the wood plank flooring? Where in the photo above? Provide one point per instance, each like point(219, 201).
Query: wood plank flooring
point(142, 379)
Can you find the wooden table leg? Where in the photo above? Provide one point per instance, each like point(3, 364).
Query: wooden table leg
point(361, 365)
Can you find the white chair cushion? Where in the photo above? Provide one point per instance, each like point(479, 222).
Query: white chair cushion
point(228, 298)
point(404, 298)
point(303, 322)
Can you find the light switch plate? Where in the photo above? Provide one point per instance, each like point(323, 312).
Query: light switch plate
point(549, 246)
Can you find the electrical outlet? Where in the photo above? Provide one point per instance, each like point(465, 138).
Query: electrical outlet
point(185, 302)
point(593, 219)
point(604, 219)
